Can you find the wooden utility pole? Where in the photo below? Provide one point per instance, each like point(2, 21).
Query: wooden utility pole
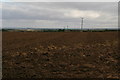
point(67, 27)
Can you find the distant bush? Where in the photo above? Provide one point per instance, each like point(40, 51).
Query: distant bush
point(61, 30)
point(4, 30)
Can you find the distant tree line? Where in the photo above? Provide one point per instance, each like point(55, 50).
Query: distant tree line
point(60, 30)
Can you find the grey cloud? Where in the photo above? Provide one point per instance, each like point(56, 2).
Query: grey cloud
point(52, 13)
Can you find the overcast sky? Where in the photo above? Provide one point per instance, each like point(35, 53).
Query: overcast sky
point(59, 14)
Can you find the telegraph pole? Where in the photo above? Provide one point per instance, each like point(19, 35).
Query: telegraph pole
point(67, 27)
point(82, 24)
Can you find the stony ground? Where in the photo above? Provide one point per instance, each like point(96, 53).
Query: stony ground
point(60, 55)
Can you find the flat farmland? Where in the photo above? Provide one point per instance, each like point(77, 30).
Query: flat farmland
point(60, 55)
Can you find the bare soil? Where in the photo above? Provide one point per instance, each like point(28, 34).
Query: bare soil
point(60, 55)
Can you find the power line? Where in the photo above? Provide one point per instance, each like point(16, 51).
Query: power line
point(67, 27)
point(82, 24)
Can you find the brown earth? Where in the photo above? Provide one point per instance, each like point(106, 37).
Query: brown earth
point(60, 55)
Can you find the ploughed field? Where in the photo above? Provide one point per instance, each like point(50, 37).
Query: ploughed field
point(60, 55)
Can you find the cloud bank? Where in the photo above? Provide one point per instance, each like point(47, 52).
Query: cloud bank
point(59, 14)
